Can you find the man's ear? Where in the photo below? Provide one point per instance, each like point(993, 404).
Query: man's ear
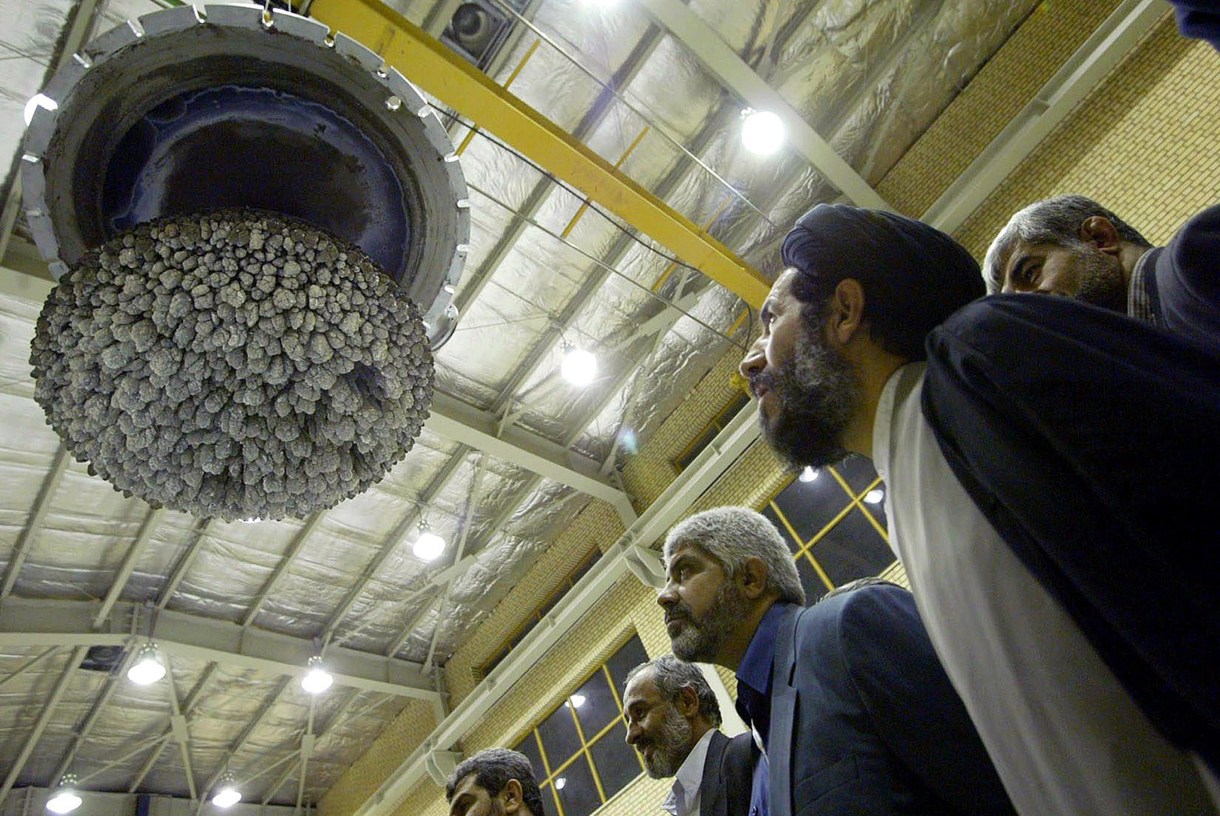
point(512, 796)
point(752, 575)
point(1101, 233)
point(846, 315)
point(687, 702)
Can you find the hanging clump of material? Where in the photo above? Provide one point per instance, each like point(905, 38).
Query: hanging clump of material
point(256, 229)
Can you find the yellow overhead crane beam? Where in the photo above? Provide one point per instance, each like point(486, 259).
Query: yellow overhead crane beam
point(442, 73)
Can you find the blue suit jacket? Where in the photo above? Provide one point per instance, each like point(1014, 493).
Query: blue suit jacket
point(864, 720)
point(728, 772)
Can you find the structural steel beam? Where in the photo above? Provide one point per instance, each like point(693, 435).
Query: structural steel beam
point(149, 526)
point(44, 717)
point(29, 534)
point(470, 426)
point(70, 623)
point(630, 551)
point(705, 45)
point(290, 554)
point(441, 72)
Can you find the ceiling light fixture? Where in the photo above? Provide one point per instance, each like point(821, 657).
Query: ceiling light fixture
point(560, 782)
point(317, 679)
point(762, 132)
point(65, 799)
point(579, 367)
point(148, 667)
point(874, 496)
point(429, 545)
point(577, 700)
point(808, 474)
point(228, 795)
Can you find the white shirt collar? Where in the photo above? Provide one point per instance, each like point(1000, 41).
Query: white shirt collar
point(690, 778)
point(897, 387)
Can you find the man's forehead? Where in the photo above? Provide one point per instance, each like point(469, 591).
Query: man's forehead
point(782, 288)
point(640, 688)
point(468, 784)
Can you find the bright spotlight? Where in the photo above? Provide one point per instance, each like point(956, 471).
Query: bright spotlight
point(808, 474)
point(38, 101)
point(762, 132)
point(577, 700)
point(874, 496)
point(429, 546)
point(579, 367)
point(148, 667)
point(65, 799)
point(317, 679)
point(560, 782)
point(226, 797)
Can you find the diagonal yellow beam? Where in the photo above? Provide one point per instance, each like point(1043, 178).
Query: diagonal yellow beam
point(458, 84)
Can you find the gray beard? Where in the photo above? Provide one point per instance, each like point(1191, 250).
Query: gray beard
point(673, 744)
point(701, 640)
point(818, 394)
point(1101, 283)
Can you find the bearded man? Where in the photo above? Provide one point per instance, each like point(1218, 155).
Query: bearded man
point(494, 782)
point(1041, 457)
point(673, 720)
point(1073, 246)
point(847, 698)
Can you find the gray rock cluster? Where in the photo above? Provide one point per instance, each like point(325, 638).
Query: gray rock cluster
point(235, 364)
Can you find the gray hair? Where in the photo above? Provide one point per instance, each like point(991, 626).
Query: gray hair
point(670, 675)
point(1054, 221)
point(493, 768)
point(732, 536)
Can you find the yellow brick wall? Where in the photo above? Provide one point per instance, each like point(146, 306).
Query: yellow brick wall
point(1143, 143)
point(392, 746)
point(1002, 87)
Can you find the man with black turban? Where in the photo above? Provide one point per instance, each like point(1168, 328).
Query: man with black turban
point(1031, 473)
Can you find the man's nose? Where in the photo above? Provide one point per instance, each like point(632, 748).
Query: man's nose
point(754, 361)
point(668, 596)
point(633, 733)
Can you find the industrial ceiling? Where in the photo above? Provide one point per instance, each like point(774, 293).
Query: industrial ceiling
point(511, 452)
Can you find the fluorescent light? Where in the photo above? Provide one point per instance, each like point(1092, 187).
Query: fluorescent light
point(579, 367)
point(808, 474)
point(429, 545)
point(148, 667)
point(874, 496)
point(762, 132)
point(317, 679)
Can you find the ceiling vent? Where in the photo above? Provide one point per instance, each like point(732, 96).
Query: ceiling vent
point(479, 29)
point(256, 229)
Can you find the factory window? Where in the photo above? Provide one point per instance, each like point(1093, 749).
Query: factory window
point(579, 751)
point(705, 437)
point(834, 524)
point(536, 615)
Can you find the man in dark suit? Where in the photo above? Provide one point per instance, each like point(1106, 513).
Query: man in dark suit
point(851, 704)
point(673, 720)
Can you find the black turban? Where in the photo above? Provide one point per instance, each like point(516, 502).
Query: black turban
point(914, 276)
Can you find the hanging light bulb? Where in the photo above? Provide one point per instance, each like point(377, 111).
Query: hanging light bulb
point(228, 795)
point(317, 679)
point(579, 367)
point(808, 474)
point(65, 799)
point(577, 700)
point(148, 667)
point(874, 496)
point(762, 132)
point(429, 545)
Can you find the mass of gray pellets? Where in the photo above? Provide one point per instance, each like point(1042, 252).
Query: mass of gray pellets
point(236, 364)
